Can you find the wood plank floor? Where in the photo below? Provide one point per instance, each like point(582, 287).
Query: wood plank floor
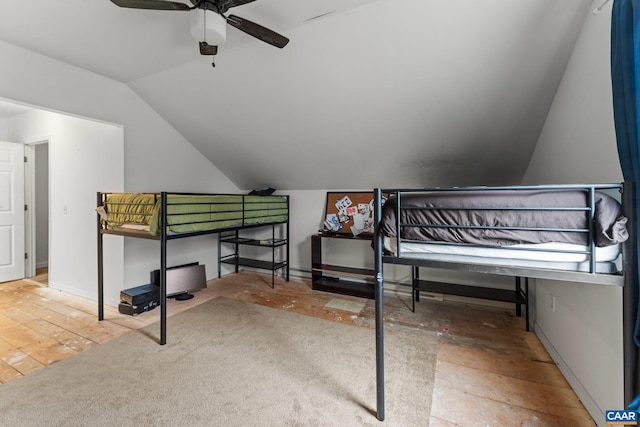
point(490, 371)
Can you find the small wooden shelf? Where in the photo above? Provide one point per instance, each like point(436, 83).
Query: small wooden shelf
point(345, 287)
point(347, 271)
point(362, 282)
point(253, 263)
point(503, 295)
point(267, 243)
point(517, 296)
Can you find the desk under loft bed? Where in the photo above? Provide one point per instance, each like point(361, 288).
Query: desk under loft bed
point(574, 233)
point(168, 216)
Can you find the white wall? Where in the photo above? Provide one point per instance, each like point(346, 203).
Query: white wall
point(84, 157)
point(307, 209)
point(578, 145)
point(157, 158)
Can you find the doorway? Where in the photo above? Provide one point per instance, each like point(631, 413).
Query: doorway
point(37, 213)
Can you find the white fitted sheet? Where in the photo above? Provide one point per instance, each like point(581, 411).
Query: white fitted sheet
point(544, 255)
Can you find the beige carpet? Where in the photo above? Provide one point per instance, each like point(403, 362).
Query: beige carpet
point(229, 363)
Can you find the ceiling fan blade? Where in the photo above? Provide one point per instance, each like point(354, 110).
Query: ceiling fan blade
point(151, 4)
point(207, 49)
point(258, 31)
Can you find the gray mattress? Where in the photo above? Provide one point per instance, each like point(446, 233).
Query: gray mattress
point(500, 218)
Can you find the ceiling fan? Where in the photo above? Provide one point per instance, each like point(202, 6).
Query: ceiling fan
point(219, 7)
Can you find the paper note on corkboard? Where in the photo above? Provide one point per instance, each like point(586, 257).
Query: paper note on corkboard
point(349, 212)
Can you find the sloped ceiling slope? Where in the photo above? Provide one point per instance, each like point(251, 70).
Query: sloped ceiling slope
point(397, 93)
point(367, 93)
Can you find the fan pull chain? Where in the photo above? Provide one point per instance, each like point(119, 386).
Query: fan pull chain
point(213, 64)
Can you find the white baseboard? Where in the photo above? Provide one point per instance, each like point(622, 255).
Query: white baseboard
point(590, 405)
point(88, 295)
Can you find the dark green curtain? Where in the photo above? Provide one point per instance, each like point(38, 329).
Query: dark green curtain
point(625, 78)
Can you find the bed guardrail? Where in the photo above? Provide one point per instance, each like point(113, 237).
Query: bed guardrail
point(589, 210)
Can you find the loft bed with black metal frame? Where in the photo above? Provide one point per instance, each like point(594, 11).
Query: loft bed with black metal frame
point(502, 231)
point(168, 216)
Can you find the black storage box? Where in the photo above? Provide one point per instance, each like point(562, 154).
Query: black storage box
point(132, 310)
point(140, 295)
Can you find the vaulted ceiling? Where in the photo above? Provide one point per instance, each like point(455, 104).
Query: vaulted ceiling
point(367, 93)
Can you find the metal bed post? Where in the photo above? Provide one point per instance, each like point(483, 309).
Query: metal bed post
point(526, 295)
point(236, 246)
point(378, 308)
point(398, 223)
point(163, 270)
point(415, 292)
point(518, 293)
point(100, 266)
point(631, 353)
point(287, 245)
point(273, 256)
point(219, 255)
point(592, 225)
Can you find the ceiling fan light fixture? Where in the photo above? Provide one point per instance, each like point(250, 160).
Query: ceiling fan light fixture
point(213, 29)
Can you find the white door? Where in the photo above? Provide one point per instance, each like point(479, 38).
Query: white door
point(11, 211)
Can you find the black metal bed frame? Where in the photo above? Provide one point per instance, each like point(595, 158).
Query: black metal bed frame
point(164, 237)
point(628, 280)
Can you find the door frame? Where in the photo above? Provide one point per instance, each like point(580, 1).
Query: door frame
point(30, 201)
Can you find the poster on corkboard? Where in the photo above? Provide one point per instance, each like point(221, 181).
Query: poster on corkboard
point(350, 212)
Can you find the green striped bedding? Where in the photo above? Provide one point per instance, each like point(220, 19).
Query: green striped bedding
point(194, 213)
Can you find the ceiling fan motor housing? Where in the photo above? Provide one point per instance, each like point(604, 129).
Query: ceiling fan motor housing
point(213, 29)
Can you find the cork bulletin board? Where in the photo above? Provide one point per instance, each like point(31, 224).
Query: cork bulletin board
point(350, 212)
